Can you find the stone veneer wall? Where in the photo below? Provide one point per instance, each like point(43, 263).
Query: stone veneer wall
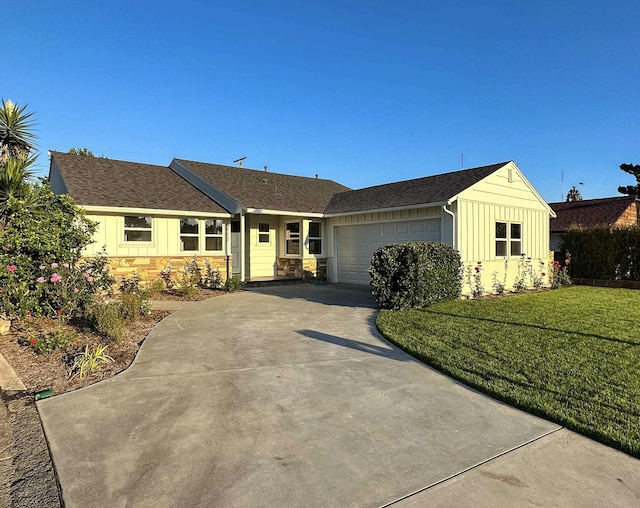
point(149, 267)
point(296, 268)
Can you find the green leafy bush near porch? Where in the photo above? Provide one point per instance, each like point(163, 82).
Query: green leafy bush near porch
point(412, 275)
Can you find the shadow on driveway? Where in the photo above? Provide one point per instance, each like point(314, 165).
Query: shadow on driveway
point(384, 352)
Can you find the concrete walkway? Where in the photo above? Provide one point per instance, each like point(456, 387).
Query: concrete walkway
point(289, 397)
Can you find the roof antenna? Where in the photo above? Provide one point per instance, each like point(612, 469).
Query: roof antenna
point(239, 161)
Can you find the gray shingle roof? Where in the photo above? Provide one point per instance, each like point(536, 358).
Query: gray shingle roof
point(429, 189)
point(97, 181)
point(266, 190)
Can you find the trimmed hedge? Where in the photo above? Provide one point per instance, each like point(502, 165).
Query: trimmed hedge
point(604, 253)
point(412, 275)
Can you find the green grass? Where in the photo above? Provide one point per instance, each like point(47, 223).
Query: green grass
point(571, 355)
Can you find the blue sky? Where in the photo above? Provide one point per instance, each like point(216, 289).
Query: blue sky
point(359, 91)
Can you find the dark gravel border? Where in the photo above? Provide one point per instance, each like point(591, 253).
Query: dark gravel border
point(27, 476)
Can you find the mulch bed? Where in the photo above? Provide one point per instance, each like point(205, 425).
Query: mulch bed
point(26, 472)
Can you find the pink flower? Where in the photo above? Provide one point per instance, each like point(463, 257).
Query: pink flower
point(29, 313)
point(86, 275)
point(54, 265)
point(42, 267)
point(59, 311)
point(40, 280)
point(55, 277)
point(33, 342)
point(12, 268)
point(66, 265)
point(89, 279)
point(75, 290)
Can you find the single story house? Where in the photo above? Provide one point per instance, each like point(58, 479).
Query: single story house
point(260, 224)
point(617, 211)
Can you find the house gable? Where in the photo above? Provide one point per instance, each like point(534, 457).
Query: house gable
point(507, 186)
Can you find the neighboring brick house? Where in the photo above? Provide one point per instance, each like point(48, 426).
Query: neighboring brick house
point(618, 211)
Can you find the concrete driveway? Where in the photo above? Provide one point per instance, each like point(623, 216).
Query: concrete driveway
point(274, 397)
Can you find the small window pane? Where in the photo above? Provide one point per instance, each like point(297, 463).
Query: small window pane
point(516, 248)
point(516, 231)
point(189, 226)
point(213, 227)
point(189, 242)
point(137, 236)
point(235, 226)
point(137, 222)
point(293, 227)
point(501, 230)
point(214, 243)
point(501, 248)
point(315, 246)
point(314, 229)
point(293, 246)
point(263, 227)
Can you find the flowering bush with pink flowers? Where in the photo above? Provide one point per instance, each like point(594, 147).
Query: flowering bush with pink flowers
point(40, 257)
point(55, 289)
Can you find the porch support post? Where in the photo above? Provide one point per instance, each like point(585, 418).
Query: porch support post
point(242, 245)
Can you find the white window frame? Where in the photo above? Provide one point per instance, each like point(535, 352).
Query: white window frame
point(318, 238)
point(195, 235)
point(513, 240)
point(508, 240)
point(292, 236)
point(213, 235)
point(138, 229)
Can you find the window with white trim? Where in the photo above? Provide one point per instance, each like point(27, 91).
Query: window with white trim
point(189, 234)
point(264, 235)
point(137, 228)
point(508, 239)
point(315, 238)
point(292, 238)
point(212, 234)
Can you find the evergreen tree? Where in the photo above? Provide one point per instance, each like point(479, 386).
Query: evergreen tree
point(631, 190)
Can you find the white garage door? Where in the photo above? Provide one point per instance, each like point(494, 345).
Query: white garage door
point(356, 244)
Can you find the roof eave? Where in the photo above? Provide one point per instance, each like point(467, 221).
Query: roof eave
point(267, 211)
point(389, 209)
point(121, 210)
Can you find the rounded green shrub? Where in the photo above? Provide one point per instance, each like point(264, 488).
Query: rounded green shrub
point(412, 275)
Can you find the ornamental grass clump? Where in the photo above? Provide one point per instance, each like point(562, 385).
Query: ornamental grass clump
point(89, 361)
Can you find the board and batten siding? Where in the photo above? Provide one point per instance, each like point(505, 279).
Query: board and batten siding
point(260, 260)
point(165, 238)
point(477, 235)
point(504, 196)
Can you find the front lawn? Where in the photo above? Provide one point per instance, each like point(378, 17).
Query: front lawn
point(571, 355)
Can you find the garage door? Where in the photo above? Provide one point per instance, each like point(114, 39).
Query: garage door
point(356, 244)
